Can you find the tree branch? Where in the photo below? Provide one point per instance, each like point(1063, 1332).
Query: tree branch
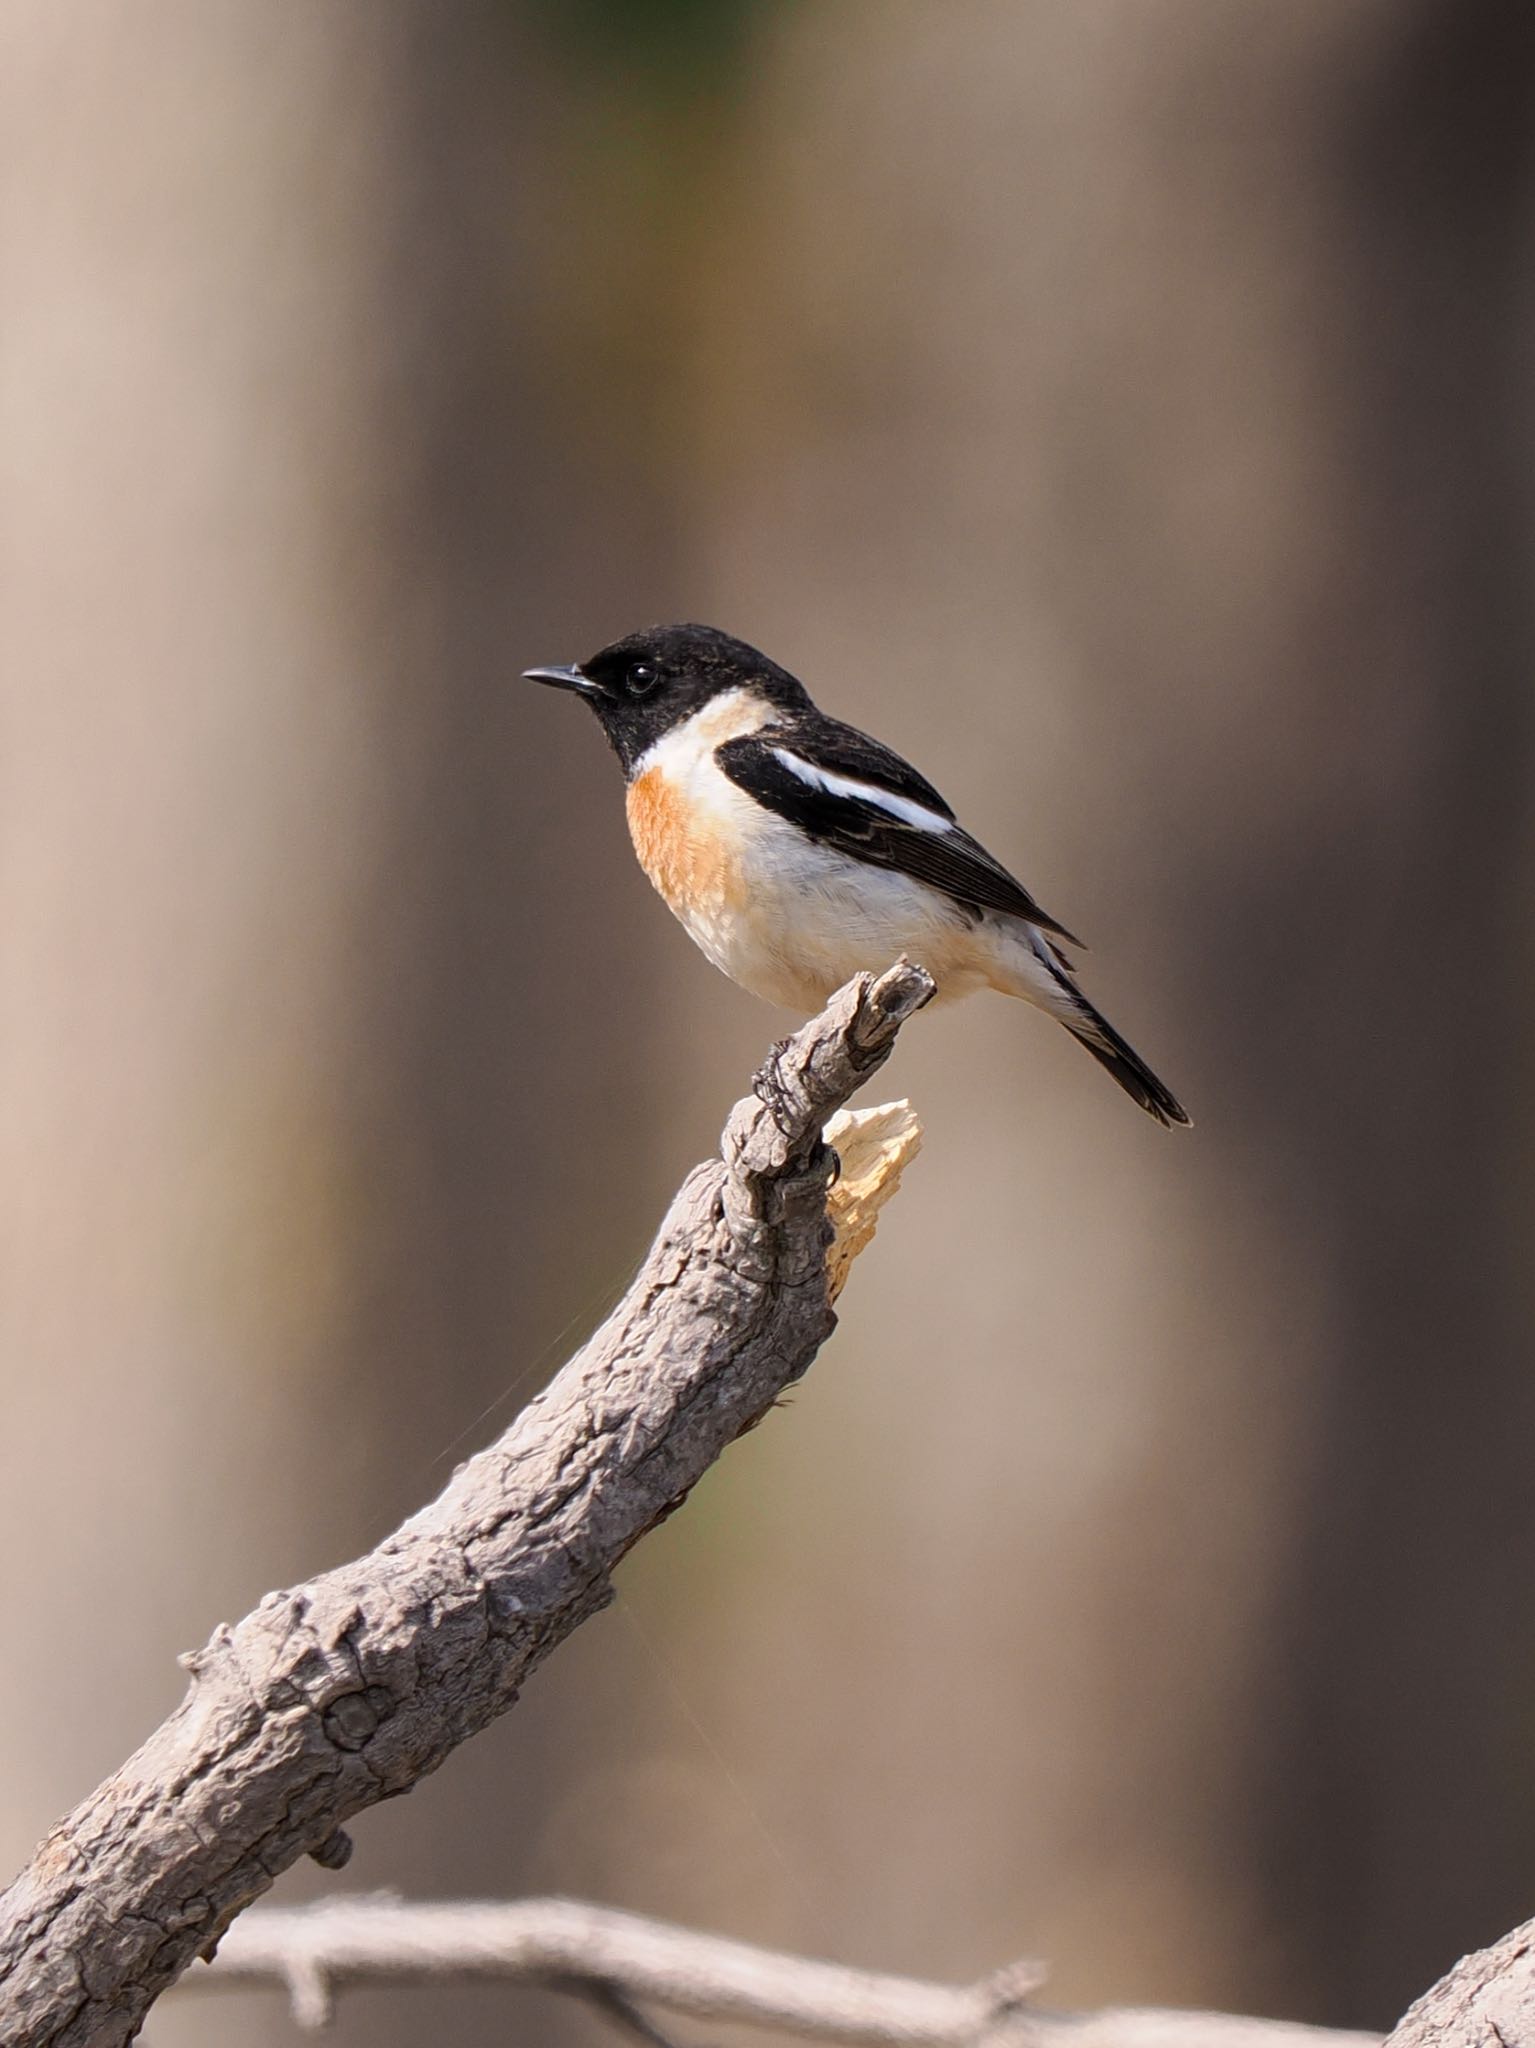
point(1486, 2001)
point(353, 1687)
point(317, 1950)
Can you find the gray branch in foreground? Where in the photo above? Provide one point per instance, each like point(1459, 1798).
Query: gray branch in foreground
point(353, 1687)
point(317, 1950)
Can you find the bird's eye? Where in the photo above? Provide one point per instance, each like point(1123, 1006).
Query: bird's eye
point(642, 676)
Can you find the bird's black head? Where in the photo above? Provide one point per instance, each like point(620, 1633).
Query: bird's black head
point(645, 684)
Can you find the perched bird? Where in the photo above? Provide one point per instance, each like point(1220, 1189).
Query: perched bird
point(797, 850)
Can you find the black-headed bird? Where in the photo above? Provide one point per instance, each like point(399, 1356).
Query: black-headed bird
point(797, 851)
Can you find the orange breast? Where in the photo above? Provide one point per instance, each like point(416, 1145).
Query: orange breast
point(683, 850)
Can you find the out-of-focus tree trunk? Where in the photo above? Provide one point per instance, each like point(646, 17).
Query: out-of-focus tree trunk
point(279, 1215)
point(1398, 1796)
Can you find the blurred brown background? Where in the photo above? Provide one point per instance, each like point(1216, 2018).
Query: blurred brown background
point(1123, 406)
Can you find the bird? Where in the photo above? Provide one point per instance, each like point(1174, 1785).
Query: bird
point(796, 850)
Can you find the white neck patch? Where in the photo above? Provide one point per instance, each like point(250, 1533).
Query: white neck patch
point(729, 716)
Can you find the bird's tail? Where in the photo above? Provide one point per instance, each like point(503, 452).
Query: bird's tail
point(1091, 1028)
point(1029, 963)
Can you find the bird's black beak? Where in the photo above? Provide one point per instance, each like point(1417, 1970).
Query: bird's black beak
point(568, 678)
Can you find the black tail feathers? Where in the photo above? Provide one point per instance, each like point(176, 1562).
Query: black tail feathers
point(1093, 1030)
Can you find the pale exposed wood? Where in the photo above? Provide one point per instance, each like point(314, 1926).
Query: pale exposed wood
point(874, 1146)
point(316, 1951)
point(346, 1690)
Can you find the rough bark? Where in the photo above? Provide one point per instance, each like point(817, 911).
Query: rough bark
point(1486, 2001)
point(352, 1687)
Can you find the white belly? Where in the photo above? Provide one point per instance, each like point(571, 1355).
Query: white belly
point(813, 918)
point(787, 918)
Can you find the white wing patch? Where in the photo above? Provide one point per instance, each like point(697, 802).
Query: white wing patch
point(886, 800)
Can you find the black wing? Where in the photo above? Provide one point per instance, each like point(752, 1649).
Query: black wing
point(940, 854)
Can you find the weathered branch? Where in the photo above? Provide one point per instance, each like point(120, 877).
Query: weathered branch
point(315, 1951)
point(353, 1687)
point(1486, 2001)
